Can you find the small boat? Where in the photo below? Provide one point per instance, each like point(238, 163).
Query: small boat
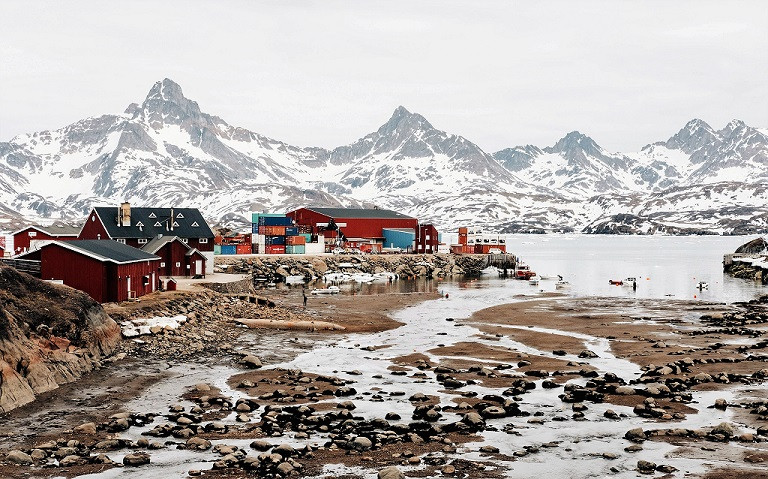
point(328, 290)
point(534, 280)
point(562, 284)
point(702, 285)
point(545, 276)
point(615, 283)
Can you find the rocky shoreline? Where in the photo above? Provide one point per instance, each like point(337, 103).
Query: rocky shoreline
point(274, 269)
point(266, 421)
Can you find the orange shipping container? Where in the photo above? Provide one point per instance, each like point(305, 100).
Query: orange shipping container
point(295, 240)
point(275, 230)
point(244, 249)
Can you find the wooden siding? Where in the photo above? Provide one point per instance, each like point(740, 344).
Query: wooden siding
point(103, 281)
point(22, 240)
point(93, 228)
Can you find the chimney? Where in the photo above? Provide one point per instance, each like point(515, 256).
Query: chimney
point(125, 214)
point(172, 219)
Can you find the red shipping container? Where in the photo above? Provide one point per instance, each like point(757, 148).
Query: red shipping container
point(275, 249)
point(244, 249)
point(295, 240)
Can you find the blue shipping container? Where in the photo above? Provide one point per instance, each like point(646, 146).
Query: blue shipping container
point(228, 249)
point(294, 249)
point(270, 240)
point(275, 221)
point(255, 216)
point(292, 231)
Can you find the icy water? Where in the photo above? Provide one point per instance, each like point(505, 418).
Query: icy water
point(667, 267)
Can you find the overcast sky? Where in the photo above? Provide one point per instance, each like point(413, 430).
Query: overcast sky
point(325, 73)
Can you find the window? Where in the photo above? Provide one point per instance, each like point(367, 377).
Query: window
point(32, 234)
point(179, 215)
point(93, 218)
point(140, 224)
point(178, 264)
point(142, 240)
point(152, 215)
point(157, 224)
point(203, 240)
point(162, 265)
point(185, 240)
point(175, 224)
point(121, 240)
point(195, 224)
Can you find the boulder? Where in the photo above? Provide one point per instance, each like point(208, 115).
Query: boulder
point(87, 428)
point(136, 459)
point(391, 472)
point(18, 457)
point(251, 361)
point(361, 443)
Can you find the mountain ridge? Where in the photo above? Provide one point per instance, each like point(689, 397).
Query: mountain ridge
point(167, 150)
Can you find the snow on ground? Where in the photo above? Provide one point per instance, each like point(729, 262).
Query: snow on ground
point(138, 327)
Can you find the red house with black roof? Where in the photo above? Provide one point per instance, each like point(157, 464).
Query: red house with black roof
point(177, 258)
point(25, 238)
point(138, 226)
point(106, 270)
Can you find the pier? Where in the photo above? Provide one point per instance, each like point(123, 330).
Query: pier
point(506, 263)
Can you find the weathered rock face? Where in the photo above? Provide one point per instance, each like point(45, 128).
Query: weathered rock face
point(756, 246)
point(49, 335)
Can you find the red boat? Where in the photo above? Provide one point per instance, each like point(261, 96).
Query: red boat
point(525, 274)
point(616, 283)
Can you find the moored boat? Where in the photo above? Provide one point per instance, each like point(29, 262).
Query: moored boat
point(328, 290)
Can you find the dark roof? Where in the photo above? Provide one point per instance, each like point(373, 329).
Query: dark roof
point(54, 230)
point(106, 250)
point(157, 243)
point(151, 222)
point(359, 213)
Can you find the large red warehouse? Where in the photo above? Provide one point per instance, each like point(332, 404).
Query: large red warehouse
point(353, 223)
point(107, 270)
point(26, 237)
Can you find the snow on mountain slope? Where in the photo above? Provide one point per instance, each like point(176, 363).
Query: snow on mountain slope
point(166, 151)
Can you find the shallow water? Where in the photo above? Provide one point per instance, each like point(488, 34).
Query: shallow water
point(672, 266)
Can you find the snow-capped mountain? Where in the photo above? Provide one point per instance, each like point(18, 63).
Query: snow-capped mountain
point(166, 151)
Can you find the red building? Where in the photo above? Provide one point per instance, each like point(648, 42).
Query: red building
point(352, 223)
point(107, 270)
point(26, 237)
point(427, 239)
point(138, 226)
point(177, 258)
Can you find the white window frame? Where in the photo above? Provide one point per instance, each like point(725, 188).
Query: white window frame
point(184, 240)
point(203, 240)
point(178, 264)
point(162, 265)
point(32, 234)
point(142, 240)
point(120, 240)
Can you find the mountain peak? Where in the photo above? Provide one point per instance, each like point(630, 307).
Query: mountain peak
point(402, 119)
point(576, 140)
point(165, 102)
point(692, 136)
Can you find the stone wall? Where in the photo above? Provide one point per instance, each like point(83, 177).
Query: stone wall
point(235, 287)
point(276, 268)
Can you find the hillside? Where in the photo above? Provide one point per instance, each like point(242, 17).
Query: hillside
point(49, 335)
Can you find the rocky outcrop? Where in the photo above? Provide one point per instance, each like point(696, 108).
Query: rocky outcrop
point(749, 261)
point(49, 335)
point(756, 246)
point(277, 268)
